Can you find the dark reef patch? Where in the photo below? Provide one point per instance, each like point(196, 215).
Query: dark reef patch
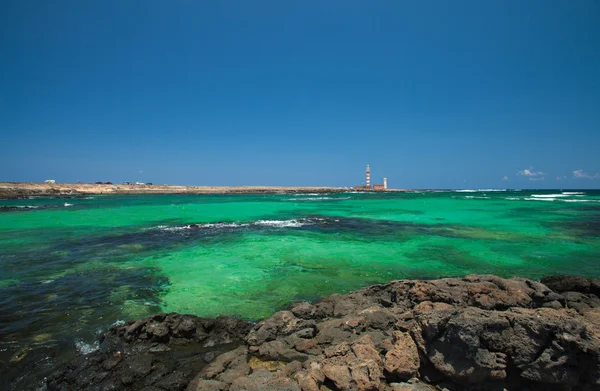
point(44, 335)
point(28, 208)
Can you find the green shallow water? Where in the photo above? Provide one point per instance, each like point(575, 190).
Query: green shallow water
point(71, 267)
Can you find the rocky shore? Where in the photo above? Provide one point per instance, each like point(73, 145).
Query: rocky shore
point(12, 190)
point(480, 332)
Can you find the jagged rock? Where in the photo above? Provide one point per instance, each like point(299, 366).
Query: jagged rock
point(264, 380)
point(475, 333)
point(304, 310)
point(412, 385)
point(581, 302)
point(138, 354)
point(565, 283)
point(279, 351)
point(402, 360)
point(199, 384)
point(228, 366)
point(280, 324)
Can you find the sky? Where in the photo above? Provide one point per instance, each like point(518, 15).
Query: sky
point(430, 94)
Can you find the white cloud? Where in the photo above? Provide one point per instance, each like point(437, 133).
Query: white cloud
point(505, 178)
point(584, 175)
point(560, 178)
point(531, 174)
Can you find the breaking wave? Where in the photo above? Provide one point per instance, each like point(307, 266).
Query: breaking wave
point(86, 348)
point(293, 223)
point(551, 199)
point(279, 223)
point(550, 195)
point(318, 198)
point(117, 323)
point(310, 194)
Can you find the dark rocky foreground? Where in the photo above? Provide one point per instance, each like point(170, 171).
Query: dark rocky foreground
point(472, 333)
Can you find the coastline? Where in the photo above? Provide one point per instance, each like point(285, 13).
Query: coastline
point(15, 190)
point(477, 332)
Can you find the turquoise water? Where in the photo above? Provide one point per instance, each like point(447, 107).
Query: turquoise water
point(71, 267)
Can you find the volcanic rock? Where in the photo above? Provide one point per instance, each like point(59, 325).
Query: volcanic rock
point(472, 333)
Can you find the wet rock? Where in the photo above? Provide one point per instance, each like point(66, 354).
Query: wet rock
point(135, 368)
point(164, 352)
point(174, 381)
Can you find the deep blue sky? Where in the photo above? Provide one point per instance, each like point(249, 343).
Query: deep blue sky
point(431, 94)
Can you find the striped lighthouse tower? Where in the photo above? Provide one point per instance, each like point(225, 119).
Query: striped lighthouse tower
point(368, 177)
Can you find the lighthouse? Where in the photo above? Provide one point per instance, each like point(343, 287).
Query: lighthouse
point(368, 184)
point(385, 183)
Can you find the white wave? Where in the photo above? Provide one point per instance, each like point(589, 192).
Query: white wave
point(280, 223)
point(558, 199)
point(89, 198)
point(173, 229)
point(549, 195)
point(310, 194)
point(476, 190)
point(477, 198)
point(572, 193)
point(26, 206)
point(318, 198)
point(512, 198)
point(86, 348)
point(223, 225)
point(67, 204)
point(195, 226)
point(260, 223)
point(117, 323)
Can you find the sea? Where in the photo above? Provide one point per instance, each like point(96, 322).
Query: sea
point(72, 267)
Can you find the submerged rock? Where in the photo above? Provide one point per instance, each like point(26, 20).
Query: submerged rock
point(475, 333)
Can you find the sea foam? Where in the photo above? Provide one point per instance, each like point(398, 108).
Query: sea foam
point(86, 348)
point(293, 223)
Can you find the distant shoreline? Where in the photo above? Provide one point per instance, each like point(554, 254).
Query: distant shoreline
point(15, 190)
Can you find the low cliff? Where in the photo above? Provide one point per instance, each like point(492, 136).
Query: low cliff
point(472, 333)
